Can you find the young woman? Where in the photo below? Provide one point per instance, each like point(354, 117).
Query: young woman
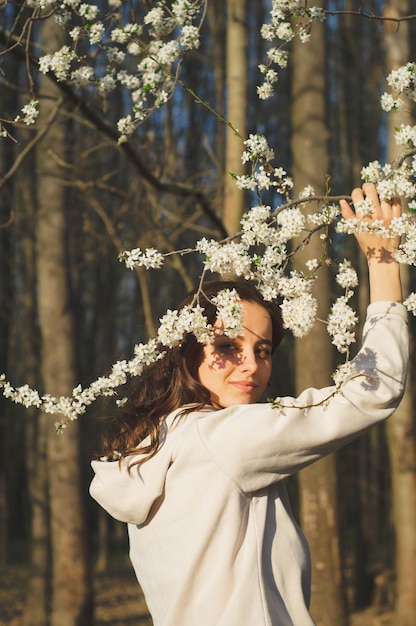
point(200, 481)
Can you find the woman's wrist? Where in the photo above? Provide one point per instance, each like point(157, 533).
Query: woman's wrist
point(385, 283)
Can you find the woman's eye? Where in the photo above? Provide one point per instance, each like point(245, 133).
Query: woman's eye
point(264, 353)
point(227, 348)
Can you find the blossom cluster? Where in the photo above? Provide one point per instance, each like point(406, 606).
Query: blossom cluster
point(173, 326)
point(343, 373)
point(402, 82)
point(230, 311)
point(288, 19)
point(261, 254)
point(391, 180)
point(342, 319)
point(263, 175)
point(28, 116)
point(151, 46)
point(30, 112)
point(190, 319)
point(341, 324)
point(150, 258)
point(71, 407)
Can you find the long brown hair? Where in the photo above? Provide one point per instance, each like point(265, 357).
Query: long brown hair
point(171, 383)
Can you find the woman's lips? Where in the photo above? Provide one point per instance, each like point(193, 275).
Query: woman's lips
point(244, 385)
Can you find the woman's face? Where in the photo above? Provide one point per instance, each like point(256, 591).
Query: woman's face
point(236, 371)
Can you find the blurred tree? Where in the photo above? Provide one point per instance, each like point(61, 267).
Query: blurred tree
point(70, 584)
point(355, 120)
point(313, 354)
point(401, 429)
point(237, 92)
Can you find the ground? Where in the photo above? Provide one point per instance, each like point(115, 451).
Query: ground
point(118, 601)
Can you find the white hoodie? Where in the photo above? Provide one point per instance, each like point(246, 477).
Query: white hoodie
point(212, 538)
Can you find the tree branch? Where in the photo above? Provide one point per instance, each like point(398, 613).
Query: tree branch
point(178, 189)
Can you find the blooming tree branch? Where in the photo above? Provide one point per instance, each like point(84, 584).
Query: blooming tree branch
point(155, 41)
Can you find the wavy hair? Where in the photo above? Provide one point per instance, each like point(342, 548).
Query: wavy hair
point(171, 383)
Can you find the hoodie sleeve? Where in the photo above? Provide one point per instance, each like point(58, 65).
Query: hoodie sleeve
point(256, 445)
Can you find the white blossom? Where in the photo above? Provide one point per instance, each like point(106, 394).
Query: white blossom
point(175, 324)
point(125, 125)
point(295, 285)
point(257, 148)
point(304, 35)
point(344, 373)
point(63, 17)
point(341, 324)
point(284, 31)
point(230, 311)
point(307, 192)
point(291, 222)
point(317, 13)
point(265, 91)
point(156, 18)
point(75, 32)
point(364, 208)
point(150, 258)
point(312, 264)
point(299, 313)
point(115, 55)
point(30, 113)
point(182, 11)
point(410, 303)
point(59, 63)
point(280, 57)
point(189, 37)
point(405, 134)
point(389, 103)
point(106, 83)
point(402, 80)
point(347, 276)
point(326, 214)
point(96, 33)
point(255, 226)
point(82, 76)
point(229, 258)
point(89, 11)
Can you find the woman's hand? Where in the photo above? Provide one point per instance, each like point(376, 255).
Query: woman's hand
point(384, 271)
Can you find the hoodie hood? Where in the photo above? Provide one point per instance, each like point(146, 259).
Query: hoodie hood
point(127, 491)
point(128, 495)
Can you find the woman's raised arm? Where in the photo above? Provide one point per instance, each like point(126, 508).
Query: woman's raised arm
point(384, 270)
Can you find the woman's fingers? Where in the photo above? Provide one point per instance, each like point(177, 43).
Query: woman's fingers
point(396, 207)
point(379, 248)
point(346, 210)
point(369, 207)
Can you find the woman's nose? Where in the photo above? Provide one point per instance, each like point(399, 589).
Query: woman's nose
point(248, 361)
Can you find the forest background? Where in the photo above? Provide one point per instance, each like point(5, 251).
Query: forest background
point(73, 196)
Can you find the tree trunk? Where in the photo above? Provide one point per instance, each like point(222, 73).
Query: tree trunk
point(71, 589)
point(318, 483)
point(217, 19)
point(6, 218)
point(401, 428)
point(236, 63)
point(35, 423)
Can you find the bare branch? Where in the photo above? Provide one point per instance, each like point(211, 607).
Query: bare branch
point(174, 188)
point(22, 155)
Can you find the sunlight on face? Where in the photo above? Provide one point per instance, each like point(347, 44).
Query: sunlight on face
point(237, 370)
